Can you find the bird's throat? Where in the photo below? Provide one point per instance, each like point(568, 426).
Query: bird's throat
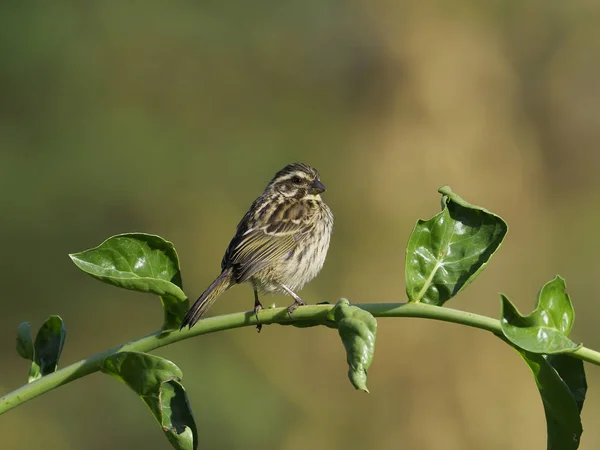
point(316, 197)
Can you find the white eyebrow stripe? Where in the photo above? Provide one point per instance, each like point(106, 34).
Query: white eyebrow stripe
point(292, 175)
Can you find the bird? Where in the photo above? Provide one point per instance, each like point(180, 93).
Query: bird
point(280, 244)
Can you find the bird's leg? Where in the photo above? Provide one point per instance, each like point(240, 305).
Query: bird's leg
point(297, 300)
point(257, 307)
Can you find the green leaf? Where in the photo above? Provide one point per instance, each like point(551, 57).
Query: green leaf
point(24, 341)
point(174, 310)
point(34, 372)
point(48, 346)
point(139, 262)
point(445, 253)
point(358, 329)
point(572, 372)
point(156, 381)
point(177, 420)
point(562, 385)
point(545, 330)
point(26, 351)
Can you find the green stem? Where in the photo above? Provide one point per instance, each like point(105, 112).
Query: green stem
point(314, 313)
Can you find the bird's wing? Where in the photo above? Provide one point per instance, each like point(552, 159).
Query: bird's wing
point(260, 245)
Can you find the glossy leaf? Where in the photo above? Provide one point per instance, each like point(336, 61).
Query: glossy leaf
point(139, 262)
point(562, 385)
point(545, 330)
point(48, 347)
point(445, 253)
point(358, 329)
point(156, 381)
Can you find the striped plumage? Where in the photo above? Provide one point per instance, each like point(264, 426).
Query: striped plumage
point(280, 243)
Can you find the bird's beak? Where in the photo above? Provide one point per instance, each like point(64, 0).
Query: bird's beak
point(317, 187)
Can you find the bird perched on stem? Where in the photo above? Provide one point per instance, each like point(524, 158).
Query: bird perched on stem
point(280, 243)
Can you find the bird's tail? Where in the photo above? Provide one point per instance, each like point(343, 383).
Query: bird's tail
point(208, 297)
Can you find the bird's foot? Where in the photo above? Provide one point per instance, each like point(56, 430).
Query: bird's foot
point(297, 302)
point(257, 308)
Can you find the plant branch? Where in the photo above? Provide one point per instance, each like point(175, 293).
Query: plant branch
point(311, 313)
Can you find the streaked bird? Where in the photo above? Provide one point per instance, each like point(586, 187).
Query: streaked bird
point(280, 244)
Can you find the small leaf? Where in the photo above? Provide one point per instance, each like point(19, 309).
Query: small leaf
point(545, 330)
point(445, 253)
point(26, 351)
point(174, 310)
point(358, 329)
point(49, 344)
point(562, 385)
point(139, 262)
point(24, 341)
point(156, 381)
point(177, 420)
point(34, 372)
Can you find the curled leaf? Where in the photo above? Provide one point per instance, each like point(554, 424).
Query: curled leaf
point(445, 253)
point(156, 381)
point(545, 330)
point(176, 416)
point(357, 329)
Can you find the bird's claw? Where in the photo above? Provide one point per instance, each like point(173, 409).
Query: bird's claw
point(293, 306)
point(257, 308)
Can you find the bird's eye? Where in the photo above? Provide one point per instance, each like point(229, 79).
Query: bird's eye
point(296, 180)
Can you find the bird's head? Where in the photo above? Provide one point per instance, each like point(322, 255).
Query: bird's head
point(298, 181)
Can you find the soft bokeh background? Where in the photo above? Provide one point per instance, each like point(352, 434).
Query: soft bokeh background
point(170, 118)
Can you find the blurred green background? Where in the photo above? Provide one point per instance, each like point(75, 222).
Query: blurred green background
point(171, 117)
